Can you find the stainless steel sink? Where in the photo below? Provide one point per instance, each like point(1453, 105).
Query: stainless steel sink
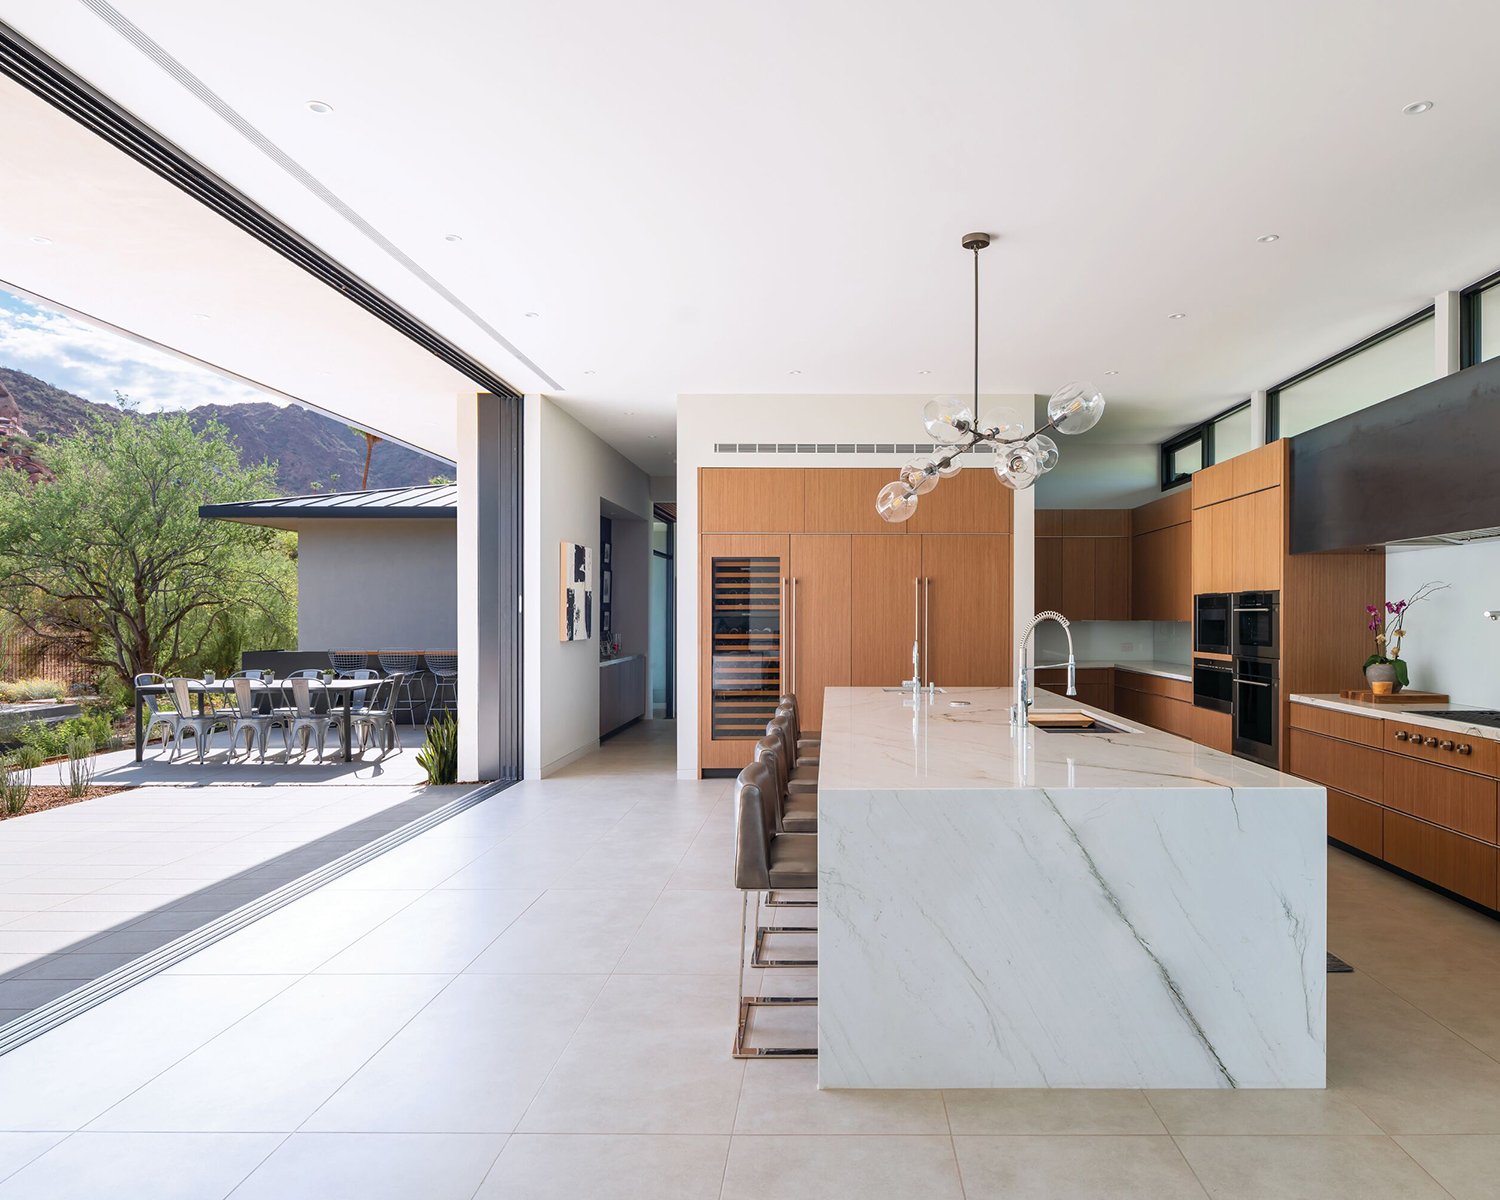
point(923, 692)
point(1094, 726)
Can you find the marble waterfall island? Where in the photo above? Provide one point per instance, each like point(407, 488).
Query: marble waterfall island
point(1003, 907)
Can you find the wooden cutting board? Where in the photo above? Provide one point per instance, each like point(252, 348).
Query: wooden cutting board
point(1407, 696)
point(1061, 720)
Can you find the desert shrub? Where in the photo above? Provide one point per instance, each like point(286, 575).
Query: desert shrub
point(16, 691)
point(439, 753)
point(81, 766)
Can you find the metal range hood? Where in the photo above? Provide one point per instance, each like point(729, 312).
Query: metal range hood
point(1420, 469)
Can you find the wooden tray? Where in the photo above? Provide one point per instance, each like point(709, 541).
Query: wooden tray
point(1061, 720)
point(1406, 696)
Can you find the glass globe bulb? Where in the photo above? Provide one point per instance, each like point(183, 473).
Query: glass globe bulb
point(895, 503)
point(1075, 407)
point(919, 475)
point(1007, 431)
point(947, 418)
point(1018, 467)
point(949, 464)
point(1046, 451)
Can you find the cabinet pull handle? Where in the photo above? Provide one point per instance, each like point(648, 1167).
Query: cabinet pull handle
point(926, 619)
point(1402, 735)
point(794, 635)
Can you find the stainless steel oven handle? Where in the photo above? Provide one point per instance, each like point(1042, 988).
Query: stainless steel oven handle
point(1261, 609)
point(1251, 682)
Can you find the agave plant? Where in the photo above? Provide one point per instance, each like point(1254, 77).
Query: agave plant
point(439, 753)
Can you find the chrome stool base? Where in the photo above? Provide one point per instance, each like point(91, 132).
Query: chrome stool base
point(742, 1027)
point(775, 899)
point(757, 952)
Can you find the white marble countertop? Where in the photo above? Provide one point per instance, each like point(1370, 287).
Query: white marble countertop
point(962, 738)
point(619, 658)
point(1429, 716)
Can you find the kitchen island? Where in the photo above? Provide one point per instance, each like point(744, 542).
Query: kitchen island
point(1009, 908)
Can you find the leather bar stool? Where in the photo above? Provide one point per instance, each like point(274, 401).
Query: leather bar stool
point(806, 756)
point(802, 776)
point(805, 744)
point(797, 811)
point(765, 859)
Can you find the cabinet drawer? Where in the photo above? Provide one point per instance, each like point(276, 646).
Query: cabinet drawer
point(1449, 860)
point(1347, 727)
point(1343, 765)
point(1213, 729)
point(1452, 799)
point(1435, 745)
point(1154, 685)
point(1356, 822)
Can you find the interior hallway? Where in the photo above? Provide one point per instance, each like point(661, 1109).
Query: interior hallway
point(536, 1000)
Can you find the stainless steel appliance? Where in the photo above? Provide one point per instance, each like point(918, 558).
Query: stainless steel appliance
point(1257, 624)
point(1211, 625)
point(1213, 684)
point(1256, 705)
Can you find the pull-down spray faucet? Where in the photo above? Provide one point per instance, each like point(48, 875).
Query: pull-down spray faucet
point(1022, 706)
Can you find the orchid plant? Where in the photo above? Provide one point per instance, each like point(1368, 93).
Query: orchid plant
point(1389, 627)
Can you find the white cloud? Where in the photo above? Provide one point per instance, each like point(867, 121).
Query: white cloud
point(94, 362)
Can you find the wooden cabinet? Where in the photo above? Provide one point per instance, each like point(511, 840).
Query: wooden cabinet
point(1257, 533)
point(1356, 822)
point(885, 610)
point(1083, 566)
point(1358, 770)
point(973, 501)
point(1453, 799)
point(1212, 567)
point(1239, 526)
point(1165, 704)
point(1213, 729)
point(1161, 574)
point(1348, 727)
point(842, 500)
point(819, 609)
point(1409, 740)
point(751, 500)
point(622, 692)
point(966, 609)
point(1096, 685)
point(1450, 860)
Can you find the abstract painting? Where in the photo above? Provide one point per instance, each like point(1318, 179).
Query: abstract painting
point(577, 592)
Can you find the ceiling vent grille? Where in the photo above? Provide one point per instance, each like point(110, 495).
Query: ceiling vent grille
point(836, 448)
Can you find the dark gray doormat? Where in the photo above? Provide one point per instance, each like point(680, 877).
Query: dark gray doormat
point(1337, 966)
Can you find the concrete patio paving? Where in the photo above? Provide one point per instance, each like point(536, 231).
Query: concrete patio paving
point(92, 886)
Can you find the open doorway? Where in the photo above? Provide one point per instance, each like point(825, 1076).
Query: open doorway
point(663, 612)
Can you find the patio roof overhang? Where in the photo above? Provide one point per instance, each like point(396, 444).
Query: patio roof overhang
point(439, 502)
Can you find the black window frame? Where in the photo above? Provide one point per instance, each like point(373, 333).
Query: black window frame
point(1201, 432)
point(1273, 395)
point(1470, 335)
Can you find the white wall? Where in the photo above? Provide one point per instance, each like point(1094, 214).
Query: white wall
point(371, 583)
point(1450, 647)
point(568, 472)
point(1118, 641)
point(1099, 474)
point(703, 420)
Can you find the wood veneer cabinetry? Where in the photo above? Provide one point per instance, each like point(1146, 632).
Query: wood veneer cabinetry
point(886, 617)
point(1161, 554)
point(818, 591)
point(1083, 563)
point(1096, 685)
point(1239, 522)
point(1165, 704)
point(1437, 821)
point(966, 609)
point(751, 500)
point(973, 501)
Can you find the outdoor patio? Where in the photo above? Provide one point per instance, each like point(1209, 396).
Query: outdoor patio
point(91, 886)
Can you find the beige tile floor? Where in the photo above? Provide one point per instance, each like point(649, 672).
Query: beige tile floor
point(534, 1000)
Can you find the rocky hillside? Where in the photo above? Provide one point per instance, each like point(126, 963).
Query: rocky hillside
point(308, 448)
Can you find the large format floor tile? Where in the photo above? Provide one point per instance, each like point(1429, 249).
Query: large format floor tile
point(1308, 1168)
point(373, 1166)
point(605, 1167)
point(141, 1166)
point(1073, 1168)
point(870, 1168)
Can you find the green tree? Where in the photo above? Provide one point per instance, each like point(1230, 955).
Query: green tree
point(113, 549)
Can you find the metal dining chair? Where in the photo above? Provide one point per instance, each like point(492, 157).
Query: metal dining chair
point(303, 717)
point(157, 717)
point(358, 700)
point(187, 720)
point(249, 718)
point(378, 718)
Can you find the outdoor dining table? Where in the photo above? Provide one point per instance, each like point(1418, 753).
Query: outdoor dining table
point(224, 687)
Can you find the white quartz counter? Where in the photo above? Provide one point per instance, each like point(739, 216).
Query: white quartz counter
point(1004, 908)
point(1430, 716)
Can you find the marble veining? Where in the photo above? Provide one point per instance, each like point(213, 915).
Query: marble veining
point(1143, 924)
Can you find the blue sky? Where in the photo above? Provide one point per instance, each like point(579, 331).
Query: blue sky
point(93, 362)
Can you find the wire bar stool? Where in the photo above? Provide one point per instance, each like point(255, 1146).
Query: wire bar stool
point(444, 669)
point(405, 663)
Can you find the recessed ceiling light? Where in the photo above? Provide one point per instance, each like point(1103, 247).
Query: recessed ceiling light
point(794, 372)
point(1175, 316)
point(40, 240)
point(1111, 372)
point(201, 316)
point(924, 372)
point(452, 237)
point(1269, 237)
point(532, 314)
point(319, 106)
point(652, 436)
point(588, 372)
point(1417, 107)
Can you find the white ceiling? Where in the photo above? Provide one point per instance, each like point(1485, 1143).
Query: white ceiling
point(705, 198)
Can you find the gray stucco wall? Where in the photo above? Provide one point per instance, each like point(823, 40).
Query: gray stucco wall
point(372, 583)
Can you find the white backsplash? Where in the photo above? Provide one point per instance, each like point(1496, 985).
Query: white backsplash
point(1118, 641)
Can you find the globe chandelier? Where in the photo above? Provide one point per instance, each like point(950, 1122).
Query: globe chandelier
point(953, 423)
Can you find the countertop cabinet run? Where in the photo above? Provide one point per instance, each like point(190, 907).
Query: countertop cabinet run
point(1438, 820)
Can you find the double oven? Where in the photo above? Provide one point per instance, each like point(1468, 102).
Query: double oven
point(1243, 629)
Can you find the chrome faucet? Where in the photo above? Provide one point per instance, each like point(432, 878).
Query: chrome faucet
point(1022, 706)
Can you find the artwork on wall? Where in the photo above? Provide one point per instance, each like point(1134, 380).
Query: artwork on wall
point(604, 592)
point(577, 592)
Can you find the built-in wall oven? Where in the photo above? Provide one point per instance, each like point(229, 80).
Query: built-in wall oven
point(1211, 623)
point(1257, 624)
point(1256, 705)
point(1213, 684)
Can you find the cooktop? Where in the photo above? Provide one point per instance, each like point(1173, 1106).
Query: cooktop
point(1480, 716)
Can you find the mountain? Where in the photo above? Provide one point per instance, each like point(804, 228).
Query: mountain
point(307, 447)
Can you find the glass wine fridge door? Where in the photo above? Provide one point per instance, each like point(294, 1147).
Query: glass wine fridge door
point(746, 644)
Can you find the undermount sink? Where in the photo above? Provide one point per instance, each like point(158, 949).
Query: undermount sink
point(1065, 721)
point(923, 692)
